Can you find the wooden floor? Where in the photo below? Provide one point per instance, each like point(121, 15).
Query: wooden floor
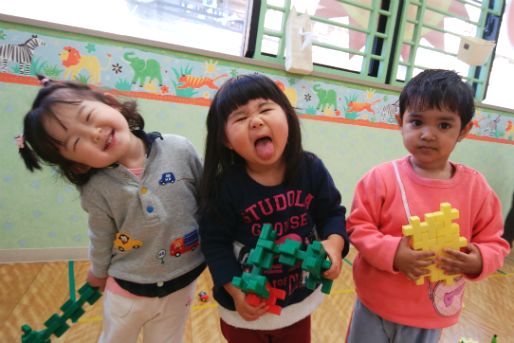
point(31, 293)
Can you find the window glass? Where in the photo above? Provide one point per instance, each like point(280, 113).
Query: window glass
point(499, 89)
point(348, 37)
point(342, 36)
point(437, 36)
point(215, 25)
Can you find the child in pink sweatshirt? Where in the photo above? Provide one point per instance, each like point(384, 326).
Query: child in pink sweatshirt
point(436, 108)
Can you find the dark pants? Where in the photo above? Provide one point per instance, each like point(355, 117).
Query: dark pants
point(299, 332)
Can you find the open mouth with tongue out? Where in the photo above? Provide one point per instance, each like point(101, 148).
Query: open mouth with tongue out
point(264, 147)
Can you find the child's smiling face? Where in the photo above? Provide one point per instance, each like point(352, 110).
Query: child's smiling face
point(91, 132)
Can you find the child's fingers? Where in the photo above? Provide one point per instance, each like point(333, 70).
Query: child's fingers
point(428, 255)
point(454, 254)
point(413, 276)
point(334, 270)
point(452, 265)
point(424, 263)
point(251, 313)
point(419, 272)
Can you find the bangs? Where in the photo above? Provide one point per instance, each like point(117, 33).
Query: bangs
point(240, 90)
point(443, 99)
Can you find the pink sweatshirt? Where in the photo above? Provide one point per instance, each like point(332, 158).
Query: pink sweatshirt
point(375, 228)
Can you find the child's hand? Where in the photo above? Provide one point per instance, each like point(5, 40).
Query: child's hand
point(411, 262)
point(248, 312)
point(94, 281)
point(458, 262)
point(333, 246)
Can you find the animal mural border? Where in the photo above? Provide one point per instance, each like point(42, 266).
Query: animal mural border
point(167, 75)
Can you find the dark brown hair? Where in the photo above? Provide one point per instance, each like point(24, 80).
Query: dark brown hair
point(234, 93)
point(40, 147)
point(440, 89)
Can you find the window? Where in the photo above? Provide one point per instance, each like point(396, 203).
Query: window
point(499, 89)
point(379, 40)
point(430, 33)
point(384, 41)
point(215, 25)
point(349, 37)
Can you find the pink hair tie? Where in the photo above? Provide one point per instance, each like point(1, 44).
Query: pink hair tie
point(20, 141)
point(43, 80)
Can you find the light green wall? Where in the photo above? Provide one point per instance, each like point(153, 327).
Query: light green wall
point(40, 210)
point(40, 214)
point(349, 151)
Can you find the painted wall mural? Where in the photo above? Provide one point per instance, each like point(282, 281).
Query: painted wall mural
point(177, 77)
point(173, 89)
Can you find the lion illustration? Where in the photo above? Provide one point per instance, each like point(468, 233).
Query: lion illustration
point(74, 63)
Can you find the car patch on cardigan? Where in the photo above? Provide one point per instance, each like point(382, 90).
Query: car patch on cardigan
point(167, 178)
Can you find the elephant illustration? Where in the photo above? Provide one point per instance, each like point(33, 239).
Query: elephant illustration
point(326, 98)
point(144, 69)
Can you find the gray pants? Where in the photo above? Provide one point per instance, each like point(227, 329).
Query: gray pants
point(368, 327)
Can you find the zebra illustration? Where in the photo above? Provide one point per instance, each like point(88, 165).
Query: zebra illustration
point(389, 111)
point(19, 53)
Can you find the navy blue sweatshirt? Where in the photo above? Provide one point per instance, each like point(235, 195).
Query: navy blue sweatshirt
point(307, 209)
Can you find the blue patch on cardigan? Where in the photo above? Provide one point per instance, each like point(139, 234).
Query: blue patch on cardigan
point(167, 178)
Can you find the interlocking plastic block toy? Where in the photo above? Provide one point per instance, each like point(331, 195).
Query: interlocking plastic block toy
point(262, 255)
point(254, 284)
point(274, 294)
point(315, 262)
point(260, 258)
point(57, 324)
point(434, 234)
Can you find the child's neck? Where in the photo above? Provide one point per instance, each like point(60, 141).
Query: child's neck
point(267, 175)
point(443, 172)
point(136, 154)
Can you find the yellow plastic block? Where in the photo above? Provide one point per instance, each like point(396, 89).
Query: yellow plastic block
point(437, 232)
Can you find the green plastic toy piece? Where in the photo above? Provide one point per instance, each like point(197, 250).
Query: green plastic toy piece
point(252, 282)
point(260, 258)
point(262, 255)
point(314, 260)
point(57, 324)
point(290, 252)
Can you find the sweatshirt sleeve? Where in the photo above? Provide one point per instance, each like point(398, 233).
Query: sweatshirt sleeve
point(487, 232)
point(217, 239)
point(377, 248)
point(102, 232)
point(329, 213)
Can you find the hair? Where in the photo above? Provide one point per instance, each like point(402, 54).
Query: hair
point(39, 147)
point(219, 159)
point(438, 89)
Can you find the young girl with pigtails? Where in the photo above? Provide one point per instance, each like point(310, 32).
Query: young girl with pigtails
point(140, 192)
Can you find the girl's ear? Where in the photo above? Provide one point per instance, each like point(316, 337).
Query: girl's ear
point(228, 145)
point(464, 132)
point(80, 168)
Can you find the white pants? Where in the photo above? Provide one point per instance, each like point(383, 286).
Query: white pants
point(162, 320)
